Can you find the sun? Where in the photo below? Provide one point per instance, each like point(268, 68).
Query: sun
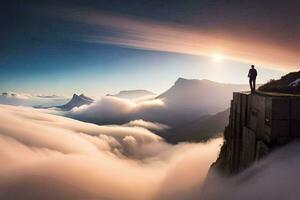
point(217, 57)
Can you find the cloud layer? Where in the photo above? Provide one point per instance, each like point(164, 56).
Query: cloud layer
point(47, 157)
point(110, 109)
point(51, 157)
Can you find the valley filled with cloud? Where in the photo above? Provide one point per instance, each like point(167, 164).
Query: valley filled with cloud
point(149, 100)
point(45, 156)
point(132, 146)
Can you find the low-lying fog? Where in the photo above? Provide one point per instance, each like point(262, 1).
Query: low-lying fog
point(45, 156)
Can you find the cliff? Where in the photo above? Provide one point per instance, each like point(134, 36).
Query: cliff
point(258, 124)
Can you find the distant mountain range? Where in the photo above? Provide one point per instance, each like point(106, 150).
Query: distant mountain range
point(194, 109)
point(132, 94)
point(186, 100)
point(190, 107)
point(76, 101)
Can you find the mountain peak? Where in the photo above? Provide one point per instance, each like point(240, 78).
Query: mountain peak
point(75, 95)
point(180, 80)
point(77, 101)
point(191, 94)
point(132, 94)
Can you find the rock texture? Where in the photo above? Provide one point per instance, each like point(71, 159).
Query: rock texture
point(258, 124)
point(289, 83)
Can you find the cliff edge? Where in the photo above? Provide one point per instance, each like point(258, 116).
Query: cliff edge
point(258, 124)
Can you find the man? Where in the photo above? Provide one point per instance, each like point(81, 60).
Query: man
point(252, 78)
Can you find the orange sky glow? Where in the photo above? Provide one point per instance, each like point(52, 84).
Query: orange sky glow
point(152, 35)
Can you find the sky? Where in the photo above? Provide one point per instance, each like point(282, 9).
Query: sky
point(99, 47)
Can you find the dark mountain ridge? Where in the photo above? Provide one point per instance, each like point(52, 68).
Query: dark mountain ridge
point(76, 101)
point(289, 83)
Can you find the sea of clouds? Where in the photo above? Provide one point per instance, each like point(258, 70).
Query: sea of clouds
point(45, 156)
point(116, 110)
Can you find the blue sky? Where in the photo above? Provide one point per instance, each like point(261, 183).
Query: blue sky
point(98, 69)
point(46, 55)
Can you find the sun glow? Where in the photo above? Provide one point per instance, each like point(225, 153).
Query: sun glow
point(217, 57)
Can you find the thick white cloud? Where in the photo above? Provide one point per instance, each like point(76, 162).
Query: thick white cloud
point(111, 109)
point(47, 157)
point(148, 125)
point(64, 134)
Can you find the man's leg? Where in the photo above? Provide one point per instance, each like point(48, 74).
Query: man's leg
point(251, 84)
point(254, 80)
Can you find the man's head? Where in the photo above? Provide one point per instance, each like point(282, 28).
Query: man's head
point(252, 66)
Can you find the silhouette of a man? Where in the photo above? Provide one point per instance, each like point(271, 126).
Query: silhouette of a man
point(252, 78)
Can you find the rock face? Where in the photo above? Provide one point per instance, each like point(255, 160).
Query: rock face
point(290, 83)
point(258, 124)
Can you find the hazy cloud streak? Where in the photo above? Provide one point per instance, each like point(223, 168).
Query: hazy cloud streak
point(152, 35)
